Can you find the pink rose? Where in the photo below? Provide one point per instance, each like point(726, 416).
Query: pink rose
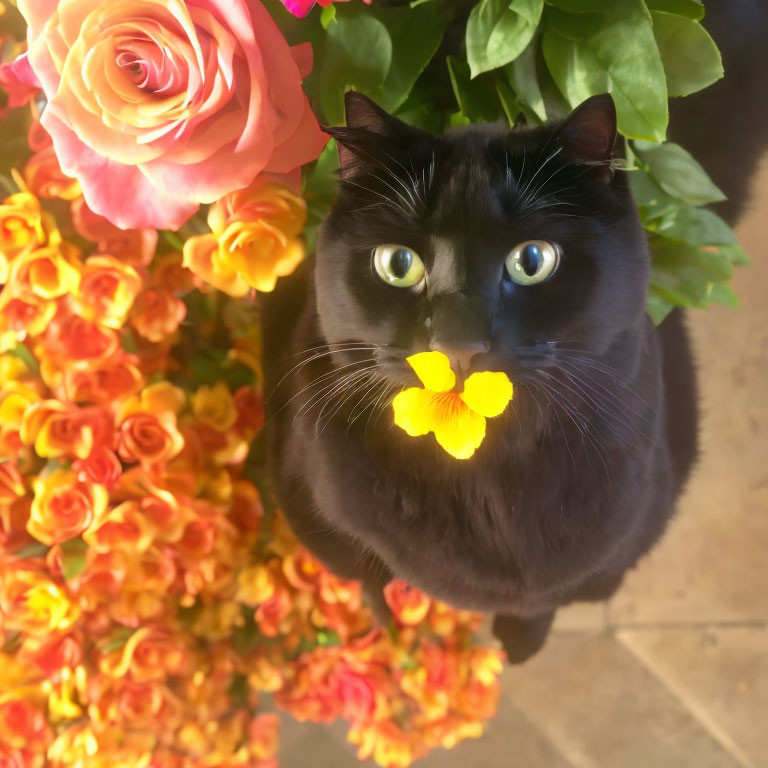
point(158, 105)
point(19, 81)
point(301, 8)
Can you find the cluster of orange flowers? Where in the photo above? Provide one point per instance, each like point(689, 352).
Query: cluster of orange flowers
point(147, 597)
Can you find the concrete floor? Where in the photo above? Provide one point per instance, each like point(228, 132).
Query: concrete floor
point(673, 673)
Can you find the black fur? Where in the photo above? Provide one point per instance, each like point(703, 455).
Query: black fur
point(579, 477)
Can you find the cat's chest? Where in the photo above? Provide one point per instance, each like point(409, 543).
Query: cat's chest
point(509, 529)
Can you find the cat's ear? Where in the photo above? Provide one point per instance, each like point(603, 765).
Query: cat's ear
point(370, 135)
point(363, 113)
point(588, 135)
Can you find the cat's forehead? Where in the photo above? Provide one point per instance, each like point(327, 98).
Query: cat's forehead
point(471, 185)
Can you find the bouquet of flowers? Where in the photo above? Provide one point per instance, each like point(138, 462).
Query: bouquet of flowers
point(149, 590)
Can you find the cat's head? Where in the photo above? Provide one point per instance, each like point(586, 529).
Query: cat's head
point(490, 244)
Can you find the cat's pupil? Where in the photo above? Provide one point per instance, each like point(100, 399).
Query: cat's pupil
point(400, 263)
point(531, 259)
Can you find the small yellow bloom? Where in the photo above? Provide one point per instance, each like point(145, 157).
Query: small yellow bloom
point(12, 368)
point(457, 419)
point(215, 406)
point(46, 273)
point(254, 239)
point(107, 290)
point(21, 228)
point(31, 603)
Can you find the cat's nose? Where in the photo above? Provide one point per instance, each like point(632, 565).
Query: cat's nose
point(460, 353)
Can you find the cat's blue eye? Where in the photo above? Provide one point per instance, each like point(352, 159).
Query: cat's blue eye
point(398, 266)
point(533, 262)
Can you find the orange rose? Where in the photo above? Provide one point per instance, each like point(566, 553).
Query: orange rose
point(45, 178)
point(254, 239)
point(149, 438)
point(46, 273)
point(20, 318)
point(408, 604)
point(75, 341)
point(23, 725)
point(134, 247)
point(62, 429)
point(64, 507)
point(11, 484)
point(117, 379)
point(122, 527)
point(264, 736)
point(107, 290)
point(157, 314)
point(99, 466)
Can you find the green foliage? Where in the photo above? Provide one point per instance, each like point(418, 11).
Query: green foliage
point(689, 55)
point(539, 59)
point(498, 31)
point(359, 48)
point(614, 52)
point(73, 558)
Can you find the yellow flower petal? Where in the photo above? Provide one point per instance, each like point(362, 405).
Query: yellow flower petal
point(434, 370)
point(413, 411)
point(487, 393)
point(458, 429)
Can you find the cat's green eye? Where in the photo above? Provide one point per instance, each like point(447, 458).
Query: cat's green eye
point(399, 266)
point(533, 262)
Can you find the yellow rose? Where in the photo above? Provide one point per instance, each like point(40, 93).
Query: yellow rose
point(253, 241)
point(46, 273)
point(215, 406)
point(30, 602)
point(21, 228)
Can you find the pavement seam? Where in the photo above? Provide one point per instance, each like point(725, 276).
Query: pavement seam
point(686, 699)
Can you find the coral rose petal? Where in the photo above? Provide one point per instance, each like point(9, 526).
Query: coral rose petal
point(304, 58)
point(434, 370)
point(120, 193)
point(488, 393)
point(303, 146)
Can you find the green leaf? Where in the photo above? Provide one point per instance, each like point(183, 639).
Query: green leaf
point(583, 6)
point(498, 31)
point(478, 100)
point(677, 173)
point(73, 554)
point(36, 549)
point(684, 274)
point(416, 35)
point(23, 352)
point(619, 55)
point(736, 255)
point(524, 78)
point(690, 57)
point(692, 9)
point(327, 15)
point(172, 239)
point(119, 638)
point(656, 306)
point(358, 54)
point(697, 226)
point(722, 293)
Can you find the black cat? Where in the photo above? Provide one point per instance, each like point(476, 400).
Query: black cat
point(510, 250)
